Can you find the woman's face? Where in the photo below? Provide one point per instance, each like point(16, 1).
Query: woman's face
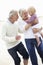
point(24, 15)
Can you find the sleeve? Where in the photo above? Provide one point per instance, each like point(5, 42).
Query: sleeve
point(32, 18)
point(5, 37)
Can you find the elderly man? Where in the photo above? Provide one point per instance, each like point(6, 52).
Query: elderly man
point(13, 40)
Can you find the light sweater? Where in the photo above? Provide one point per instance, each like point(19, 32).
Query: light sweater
point(9, 33)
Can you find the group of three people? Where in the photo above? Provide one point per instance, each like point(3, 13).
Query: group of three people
point(27, 26)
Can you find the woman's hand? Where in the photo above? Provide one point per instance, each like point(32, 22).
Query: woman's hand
point(27, 26)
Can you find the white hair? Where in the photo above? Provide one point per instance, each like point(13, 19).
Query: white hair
point(21, 11)
point(13, 12)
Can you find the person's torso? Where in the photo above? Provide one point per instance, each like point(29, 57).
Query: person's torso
point(28, 33)
point(12, 29)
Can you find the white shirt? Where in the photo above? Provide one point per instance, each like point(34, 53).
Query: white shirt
point(28, 34)
point(9, 32)
point(37, 26)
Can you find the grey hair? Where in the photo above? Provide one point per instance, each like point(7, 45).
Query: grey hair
point(13, 12)
point(21, 11)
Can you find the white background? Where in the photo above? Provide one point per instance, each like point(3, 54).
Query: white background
point(7, 5)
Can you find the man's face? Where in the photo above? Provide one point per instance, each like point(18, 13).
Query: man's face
point(14, 18)
point(25, 15)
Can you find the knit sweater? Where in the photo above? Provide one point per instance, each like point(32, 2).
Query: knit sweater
point(9, 33)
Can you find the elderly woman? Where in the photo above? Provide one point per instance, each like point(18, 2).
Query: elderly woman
point(29, 36)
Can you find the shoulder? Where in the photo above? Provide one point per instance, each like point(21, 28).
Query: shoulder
point(34, 16)
point(21, 22)
point(5, 24)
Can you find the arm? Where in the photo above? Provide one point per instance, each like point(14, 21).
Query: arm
point(31, 24)
point(32, 18)
point(5, 37)
point(34, 22)
point(23, 27)
point(35, 30)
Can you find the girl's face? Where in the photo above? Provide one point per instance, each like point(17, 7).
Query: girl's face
point(31, 11)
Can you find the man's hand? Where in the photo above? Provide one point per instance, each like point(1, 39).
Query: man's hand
point(18, 37)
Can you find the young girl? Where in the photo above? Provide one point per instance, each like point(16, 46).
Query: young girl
point(33, 17)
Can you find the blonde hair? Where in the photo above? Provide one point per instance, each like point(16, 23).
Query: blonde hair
point(32, 10)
